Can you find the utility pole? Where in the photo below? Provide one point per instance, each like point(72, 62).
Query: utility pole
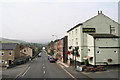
point(75, 52)
point(57, 43)
point(75, 60)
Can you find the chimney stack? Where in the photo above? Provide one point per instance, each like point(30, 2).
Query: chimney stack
point(98, 12)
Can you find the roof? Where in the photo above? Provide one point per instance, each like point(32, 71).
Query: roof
point(104, 36)
point(75, 26)
point(23, 47)
point(90, 19)
point(8, 46)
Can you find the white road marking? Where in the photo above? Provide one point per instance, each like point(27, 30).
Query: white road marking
point(43, 67)
point(68, 72)
point(44, 72)
point(26, 71)
point(18, 75)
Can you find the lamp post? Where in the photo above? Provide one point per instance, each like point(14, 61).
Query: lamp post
point(75, 53)
point(75, 59)
point(57, 42)
point(55, 36)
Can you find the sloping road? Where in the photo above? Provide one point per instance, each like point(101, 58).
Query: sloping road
point(42, 68)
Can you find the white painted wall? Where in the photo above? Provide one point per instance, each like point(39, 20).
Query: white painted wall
point(107, 53)
point(102, 25)
point(90, 45)
point(104, 53)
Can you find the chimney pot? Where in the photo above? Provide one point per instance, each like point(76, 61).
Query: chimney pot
point(98, 12)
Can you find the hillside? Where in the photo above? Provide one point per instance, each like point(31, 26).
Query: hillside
point(4, 40)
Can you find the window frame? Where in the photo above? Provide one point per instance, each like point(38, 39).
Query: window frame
point(10, 52)
point(97, 52)
point(2, 53)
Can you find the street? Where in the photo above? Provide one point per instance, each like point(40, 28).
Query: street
point(42, 68)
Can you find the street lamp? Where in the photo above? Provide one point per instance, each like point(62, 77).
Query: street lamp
point(56, 39)
point(55, 36)
point(56, 42)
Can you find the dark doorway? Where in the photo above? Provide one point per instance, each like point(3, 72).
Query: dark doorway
point(10, 62)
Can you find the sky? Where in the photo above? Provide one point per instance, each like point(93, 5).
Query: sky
point(38, 20)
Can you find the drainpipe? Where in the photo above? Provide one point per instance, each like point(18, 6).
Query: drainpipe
point(94, 53)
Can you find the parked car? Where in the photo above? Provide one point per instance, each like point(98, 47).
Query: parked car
point(51, 59)
point(48, 57)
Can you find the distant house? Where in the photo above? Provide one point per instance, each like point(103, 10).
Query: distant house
point(60, 49)
point(8, 53)
point(26, 51)
point(65, 49)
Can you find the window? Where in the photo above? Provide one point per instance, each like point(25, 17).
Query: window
point(24, 50)
point(76, 41)
point(2, 53)
point(1, 61)
point(98, 52)
point(10, 53)
point(112, 30)
point(88, 50)
point(115, 51)
point(76, 31)
point(72, 33)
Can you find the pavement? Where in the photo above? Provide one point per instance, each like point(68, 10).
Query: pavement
point(111, 73)
point(73, 71)
point(15, 71)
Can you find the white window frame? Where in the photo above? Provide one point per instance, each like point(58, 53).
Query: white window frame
point(2, 61)
point(115, 51)
point(76, 30)
point(97, 52)
point(2, 52)
point(9, 53)
point(76, 41)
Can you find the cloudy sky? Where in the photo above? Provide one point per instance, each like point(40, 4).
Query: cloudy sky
point(38, 20)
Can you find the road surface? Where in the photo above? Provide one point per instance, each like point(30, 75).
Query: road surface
point(42, 68)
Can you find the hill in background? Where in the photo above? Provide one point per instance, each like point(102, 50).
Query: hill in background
point(5, 40)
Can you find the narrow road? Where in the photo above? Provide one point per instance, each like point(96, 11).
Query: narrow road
point(42, 68)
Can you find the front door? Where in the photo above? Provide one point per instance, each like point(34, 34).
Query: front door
point(10, 62)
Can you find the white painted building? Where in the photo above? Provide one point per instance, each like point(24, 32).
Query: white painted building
point(99, 24)
point(102, 49)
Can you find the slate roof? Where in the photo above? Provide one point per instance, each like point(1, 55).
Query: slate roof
point(8, 46)
point(25, 47)
point(91, 19)
point(75, 27)
point(103, 36)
